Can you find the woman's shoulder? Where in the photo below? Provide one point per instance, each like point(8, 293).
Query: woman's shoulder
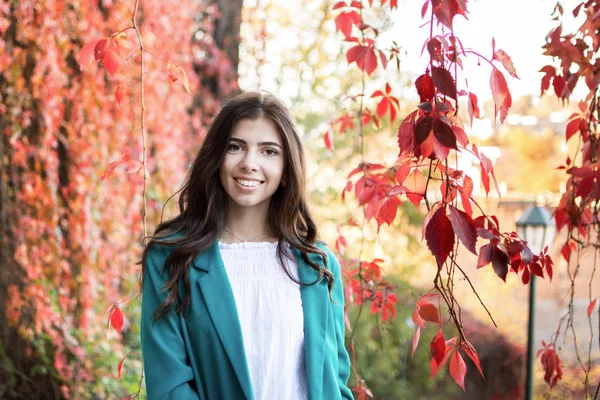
point(332, 261)
point(160, 247)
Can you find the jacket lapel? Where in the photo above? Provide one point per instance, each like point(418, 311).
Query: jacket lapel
point(220, 303)
point(315, 305)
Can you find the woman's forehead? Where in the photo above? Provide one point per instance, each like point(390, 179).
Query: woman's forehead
point(256, 130)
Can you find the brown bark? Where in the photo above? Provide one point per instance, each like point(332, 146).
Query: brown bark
point(218, 39)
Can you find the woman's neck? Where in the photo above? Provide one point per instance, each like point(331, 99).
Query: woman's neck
point(246, 225)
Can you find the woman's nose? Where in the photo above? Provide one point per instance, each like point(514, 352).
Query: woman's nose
point(249, 162)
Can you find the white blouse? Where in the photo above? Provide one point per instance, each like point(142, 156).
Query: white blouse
point(270, 311)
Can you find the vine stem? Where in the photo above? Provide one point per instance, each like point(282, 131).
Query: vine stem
point(143, 128)
point(475, 291)
point(362, 228)
point(142, 118)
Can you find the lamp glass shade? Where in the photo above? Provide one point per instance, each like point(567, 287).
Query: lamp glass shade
point(537, 228)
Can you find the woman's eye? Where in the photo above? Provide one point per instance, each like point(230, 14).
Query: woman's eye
point(270, 152)
point(234, 147)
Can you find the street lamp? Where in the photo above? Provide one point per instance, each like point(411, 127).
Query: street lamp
point(538, 229)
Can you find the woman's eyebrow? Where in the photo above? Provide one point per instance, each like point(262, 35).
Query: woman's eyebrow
point(242, 141)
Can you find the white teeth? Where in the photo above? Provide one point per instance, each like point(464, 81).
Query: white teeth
point(248, 183)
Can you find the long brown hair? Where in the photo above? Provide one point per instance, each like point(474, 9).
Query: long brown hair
point(203, 201)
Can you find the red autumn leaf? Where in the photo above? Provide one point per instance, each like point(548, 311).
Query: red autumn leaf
point(458, 369)
point(436, 367)
point(437, 347)
point(500, 93)
point(367, 116)
point(434, 47)
point(345, 122)
point(406, 133)
point(425, 88)
point(551, 364)
point(473, 107)
point(345, 20)
point(86, 54)
point(486, 169)
point(364, 190)
point(340, 244)
point(364, 56)
point(465, 193)
point(463, 227)
point(443, 81)
point(506, 62)
point(526, 277)
point(415, 340)
point(423, 129)
point(387, 102)
point(429, 313)
point(120, 366)
point(387, 211)
point(362, 392)
point(574, 124)
point(500, 263)
point(106, 50)
point(485, 255)
point(402, 173)
point(472, 353)
point(119, 94)
point(559, 83)
point(440, 236)
point(424, 9)
point(567, 249)
point(536, 269)
point(549, 72)
point(177, 73)
point(591, 307)
point(328, 139)
point(549, 264)
point(461, 136)
point(116, 319)
point(444, 134)
point(446, 10)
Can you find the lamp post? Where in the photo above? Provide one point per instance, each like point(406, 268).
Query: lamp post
point(538, 229)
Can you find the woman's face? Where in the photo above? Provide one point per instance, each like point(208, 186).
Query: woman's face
point(253, 166)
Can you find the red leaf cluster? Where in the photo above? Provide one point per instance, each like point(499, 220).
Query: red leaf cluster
point(384, 304)
point(425, 311)
point(348, 17)
point(446, 10)
point(365, 284)
point(365, 55)
point(387, 102)
point(105, 50)
point(551, 364)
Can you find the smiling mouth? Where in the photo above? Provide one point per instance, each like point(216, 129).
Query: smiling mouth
point(247, 183)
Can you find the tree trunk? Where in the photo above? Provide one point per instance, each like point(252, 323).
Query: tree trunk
point(218, 39)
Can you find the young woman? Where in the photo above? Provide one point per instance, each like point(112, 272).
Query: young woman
point(239, 299)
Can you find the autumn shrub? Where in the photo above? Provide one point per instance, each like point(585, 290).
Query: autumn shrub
point(503, 362)
point(383, 354)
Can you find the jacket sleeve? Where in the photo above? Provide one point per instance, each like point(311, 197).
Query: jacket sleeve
point(166, 363)
point(338, 310)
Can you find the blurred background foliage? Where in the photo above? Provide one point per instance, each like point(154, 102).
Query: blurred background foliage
point(71, 235)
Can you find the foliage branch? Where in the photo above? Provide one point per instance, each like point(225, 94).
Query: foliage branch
point(431, 139)
point(576, 57)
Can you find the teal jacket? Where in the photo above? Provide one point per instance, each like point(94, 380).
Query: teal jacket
point(200, 355)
